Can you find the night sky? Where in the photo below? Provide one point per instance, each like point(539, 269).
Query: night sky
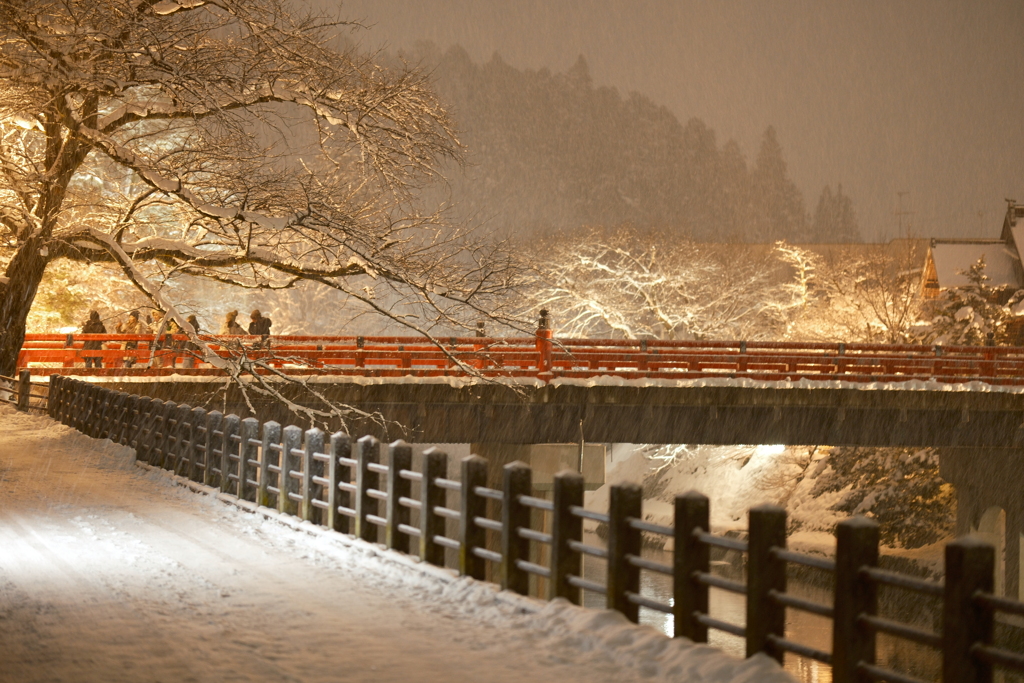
point(920, 97)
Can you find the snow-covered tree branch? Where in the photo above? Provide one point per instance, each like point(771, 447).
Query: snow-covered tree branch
point(631, 284)
point(230, 140)
point(868, 293)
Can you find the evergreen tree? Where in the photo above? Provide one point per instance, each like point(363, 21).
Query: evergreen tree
point(974, 314)
point(554, 151)
point(899, 487)
point(834, 219)
point(778, 207)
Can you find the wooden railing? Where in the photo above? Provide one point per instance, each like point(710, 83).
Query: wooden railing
point(18, 391)
point(541, 356)
point(363, 488)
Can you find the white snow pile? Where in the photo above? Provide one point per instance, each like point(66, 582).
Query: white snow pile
point(113, 572)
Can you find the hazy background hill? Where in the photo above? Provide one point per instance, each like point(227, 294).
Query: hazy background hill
point(553, 150)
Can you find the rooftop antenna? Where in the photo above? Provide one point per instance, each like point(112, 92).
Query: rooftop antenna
point(900, 213)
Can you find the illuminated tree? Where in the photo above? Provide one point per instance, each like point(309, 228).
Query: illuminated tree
point(228, 140)
point(631, 284)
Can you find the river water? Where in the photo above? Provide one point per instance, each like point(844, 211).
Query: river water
point(801, 627)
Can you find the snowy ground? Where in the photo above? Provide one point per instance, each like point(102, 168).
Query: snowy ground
point(110, 572)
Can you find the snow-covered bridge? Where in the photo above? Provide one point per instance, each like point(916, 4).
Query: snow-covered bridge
point(542, 357)
point(544, 390)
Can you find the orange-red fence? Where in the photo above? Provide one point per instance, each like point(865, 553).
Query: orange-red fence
point(539, 356)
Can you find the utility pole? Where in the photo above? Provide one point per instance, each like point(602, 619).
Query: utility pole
point(900, 213)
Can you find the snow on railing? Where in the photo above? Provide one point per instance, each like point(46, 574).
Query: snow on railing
point(541, 356)
point(351, 487)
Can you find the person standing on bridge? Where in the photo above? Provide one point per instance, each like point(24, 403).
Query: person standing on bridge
point(230, 325)
point(191, 348)
point(260, 326)
point(93, 326)
point(133, 325)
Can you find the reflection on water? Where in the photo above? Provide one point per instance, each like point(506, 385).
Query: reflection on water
point(806, 629)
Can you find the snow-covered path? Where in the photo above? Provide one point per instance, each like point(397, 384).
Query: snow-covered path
point(109, 572)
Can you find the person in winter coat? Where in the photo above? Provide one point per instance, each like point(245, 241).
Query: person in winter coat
point(164, 340)
point(261, 326)
point(133, 325)
point(191, 349)
point(93, 326)
point(230, 325)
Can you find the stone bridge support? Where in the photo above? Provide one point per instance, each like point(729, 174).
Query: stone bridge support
point(989, 485)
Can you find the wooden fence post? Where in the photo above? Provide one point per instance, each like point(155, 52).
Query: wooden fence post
point(99, 420)
point(131, 413)
point(269, 456)
point(517, 481)
point(852, 642)
point(82, 421)
point(472, 505)
point(340, 447)
point(81, 406)
point(72, 396)
point(289, 486)
point(970, 568)
point(197, 443)
point(120, 417)
point(73, 407)
point(368, 451)
point(765, 573)
point(78, 406)
point(181, 429)
point(183, 437)
point(92, 423)
point(83, 417)
point(214, 418)
point(624, 501)
point(111, 413)
point(690, 557)
point(312, 469)
point(104, 397)
point(566, 528)
point(248, 457)
point(146, 408)
point(163, 423)
point(433, 465)
point(400, 458)
point(106, 413)
point(24, 389)
point(63, 395)
point(124, 419)
point(53, 396)
point(228, 447)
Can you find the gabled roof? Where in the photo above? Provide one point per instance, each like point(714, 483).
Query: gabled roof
point(955, 255)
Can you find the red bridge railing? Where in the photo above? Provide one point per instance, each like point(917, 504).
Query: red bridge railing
point(539, 357)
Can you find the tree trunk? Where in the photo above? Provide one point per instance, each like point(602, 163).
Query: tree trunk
point(23, 274)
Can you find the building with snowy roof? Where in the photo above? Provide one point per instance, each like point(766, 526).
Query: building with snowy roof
point(948, 259)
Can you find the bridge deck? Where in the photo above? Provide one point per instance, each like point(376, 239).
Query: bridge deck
point(396, 357)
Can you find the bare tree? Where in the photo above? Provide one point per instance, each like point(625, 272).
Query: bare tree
point(223, 139)
point(865, 293)
point(631, 284)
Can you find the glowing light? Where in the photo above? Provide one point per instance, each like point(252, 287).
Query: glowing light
point(67, 330)
point(774, 449)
